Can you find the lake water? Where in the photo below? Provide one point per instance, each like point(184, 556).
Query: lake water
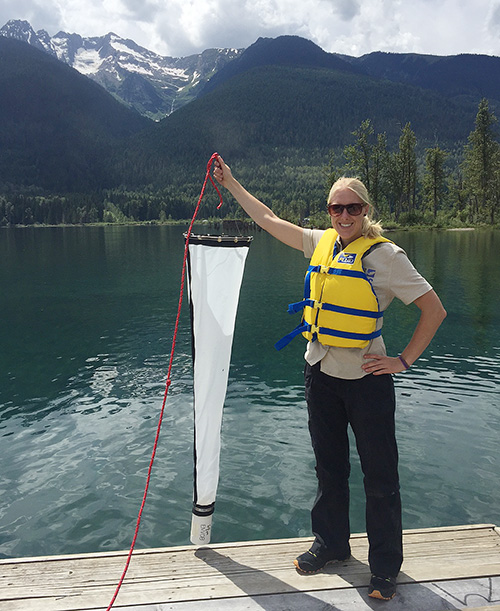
point(87, 322)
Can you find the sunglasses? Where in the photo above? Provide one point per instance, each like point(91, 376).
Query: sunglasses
point(338, 209)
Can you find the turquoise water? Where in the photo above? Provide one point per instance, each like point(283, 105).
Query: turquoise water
point(87, 322)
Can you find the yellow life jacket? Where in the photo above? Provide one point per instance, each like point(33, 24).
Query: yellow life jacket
point(340, 306)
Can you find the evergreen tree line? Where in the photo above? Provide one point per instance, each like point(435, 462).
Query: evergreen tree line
point(432, 191)
point(435, 187)
point(31, 207)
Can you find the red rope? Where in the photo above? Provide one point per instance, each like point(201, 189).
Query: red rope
point(169, 381)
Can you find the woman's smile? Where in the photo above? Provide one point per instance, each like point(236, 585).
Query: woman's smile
point(348, 226)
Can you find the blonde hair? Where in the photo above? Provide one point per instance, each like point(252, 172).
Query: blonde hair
point(371, 228)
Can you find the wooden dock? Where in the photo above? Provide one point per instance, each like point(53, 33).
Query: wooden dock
point(444, 568)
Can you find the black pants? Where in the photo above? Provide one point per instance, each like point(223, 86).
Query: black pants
point(368, 405)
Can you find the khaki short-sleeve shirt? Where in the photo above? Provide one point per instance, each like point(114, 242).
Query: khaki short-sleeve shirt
point(392, 275)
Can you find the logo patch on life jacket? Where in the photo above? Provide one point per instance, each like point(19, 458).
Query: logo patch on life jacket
point(347, 258)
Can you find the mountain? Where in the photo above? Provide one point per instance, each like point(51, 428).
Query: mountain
point(282, 51)
point(463, 77)
point(57, 127)
point(317, 111)
point(152, 84)
point(284, 103)
point(156, 85)
point(287, 93)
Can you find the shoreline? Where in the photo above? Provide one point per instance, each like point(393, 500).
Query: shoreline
point(222, 222)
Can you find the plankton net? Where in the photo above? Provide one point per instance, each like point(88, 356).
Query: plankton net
point(215, 272)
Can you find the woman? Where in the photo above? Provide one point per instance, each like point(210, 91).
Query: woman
point(353, 276)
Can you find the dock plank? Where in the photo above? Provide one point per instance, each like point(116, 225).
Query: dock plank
point(164, 578)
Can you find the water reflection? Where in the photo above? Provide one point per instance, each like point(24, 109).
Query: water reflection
point(460, 267)
point(89, 315)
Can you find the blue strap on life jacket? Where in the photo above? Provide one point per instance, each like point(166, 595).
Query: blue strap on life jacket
point(335, 271)
point(307, 284)
point(354, 311)
point(293, 308)
point(284, 341)
point(350, 335)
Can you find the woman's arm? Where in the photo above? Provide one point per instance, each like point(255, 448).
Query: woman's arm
point(432, 315)
point(286, 232)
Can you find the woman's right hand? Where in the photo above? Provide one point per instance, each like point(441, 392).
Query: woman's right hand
point(222, 172)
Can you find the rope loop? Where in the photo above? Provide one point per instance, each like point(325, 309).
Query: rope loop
point(169, 381)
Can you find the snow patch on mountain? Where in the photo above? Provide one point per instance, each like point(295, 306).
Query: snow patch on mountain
point(87, 61)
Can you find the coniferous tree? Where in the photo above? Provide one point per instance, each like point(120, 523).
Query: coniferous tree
point(405, 172)
point(434, 179)
point(369, 159)
point(359, 154)
point(457, 196)
point(482, 165)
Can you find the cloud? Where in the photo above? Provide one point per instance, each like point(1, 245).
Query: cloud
point(494, 19)
point(348, 9)
point(40, 14)
point(354, 27)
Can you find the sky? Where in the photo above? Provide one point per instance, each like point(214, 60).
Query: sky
point(178, 28)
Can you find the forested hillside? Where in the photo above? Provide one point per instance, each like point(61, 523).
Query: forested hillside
point(313, 110)
point(71, 153)
point(278, 127)
point(57, 128)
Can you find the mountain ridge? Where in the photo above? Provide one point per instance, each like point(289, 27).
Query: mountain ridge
point(157, 85)
point(456, 76)
point(153, 84)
